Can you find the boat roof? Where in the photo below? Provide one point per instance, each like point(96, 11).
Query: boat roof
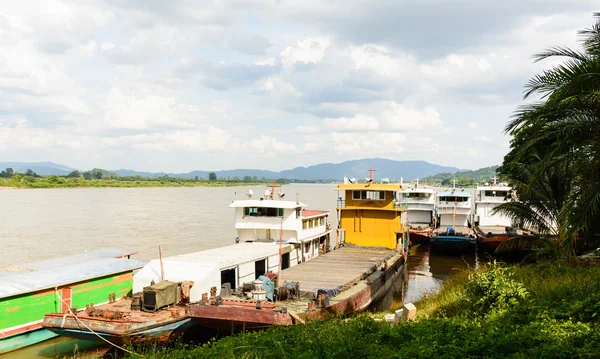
point(371, 187)
point(493, 188)
point(417, 190)
point(73, 259)
point(454, 194)
point(268, 203)
point(16, 283)
point(227, 256)
point(313, 213)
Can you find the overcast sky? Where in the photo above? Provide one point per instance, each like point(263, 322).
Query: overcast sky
point(272, 84)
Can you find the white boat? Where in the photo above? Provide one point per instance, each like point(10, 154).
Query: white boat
point(420, 209)
point(269, 220)
point(454, 211)
point(487, 198)
point(492, 228)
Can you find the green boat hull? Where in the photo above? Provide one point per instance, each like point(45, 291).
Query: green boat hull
point(25, 339)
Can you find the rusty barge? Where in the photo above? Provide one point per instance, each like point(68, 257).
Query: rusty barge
point(344, 281)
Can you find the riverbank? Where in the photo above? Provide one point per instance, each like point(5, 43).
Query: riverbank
point(61, 182)
point(541, 310)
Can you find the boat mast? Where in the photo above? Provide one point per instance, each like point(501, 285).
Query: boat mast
point(280, 254)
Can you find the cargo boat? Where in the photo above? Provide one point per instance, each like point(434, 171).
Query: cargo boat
point(57, 286)
point(420, 210)
point(454, 233)
point(492, 228)
point(372, 249)
point(271, 234)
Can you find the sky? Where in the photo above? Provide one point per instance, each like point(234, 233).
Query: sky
point(273, 84)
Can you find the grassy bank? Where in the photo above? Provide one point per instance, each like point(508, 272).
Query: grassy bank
point(61, 182)
point(536, 311)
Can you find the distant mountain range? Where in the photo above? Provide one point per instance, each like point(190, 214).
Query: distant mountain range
point(41, 168)
point(391, 169)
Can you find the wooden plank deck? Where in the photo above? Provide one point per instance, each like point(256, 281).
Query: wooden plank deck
point(338, 269)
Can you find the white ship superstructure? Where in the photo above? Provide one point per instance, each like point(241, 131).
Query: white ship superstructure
point(454, 208)
point(487, 198)
point(420, 205)
point(269, 220)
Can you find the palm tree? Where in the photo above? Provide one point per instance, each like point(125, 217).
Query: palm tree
point(556, 144)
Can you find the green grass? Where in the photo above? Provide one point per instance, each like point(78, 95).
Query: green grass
point(61, 182)
point(557, 317)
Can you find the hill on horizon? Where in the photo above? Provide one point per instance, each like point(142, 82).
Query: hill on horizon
point(385, 168)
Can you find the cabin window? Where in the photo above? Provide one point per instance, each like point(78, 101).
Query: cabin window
point(304, 224)
point(417, 195)
point(453, 199)
point(228, 276)
point(260, 268)
point(495, 193)
point(298, 212)
point(322, 221)
point(370, 195)
point(285, 261)
point(263, 212)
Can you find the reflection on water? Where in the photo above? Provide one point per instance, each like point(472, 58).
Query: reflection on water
point(59, 347)
point(427, 270)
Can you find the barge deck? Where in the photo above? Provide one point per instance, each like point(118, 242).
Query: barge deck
point(337, 270)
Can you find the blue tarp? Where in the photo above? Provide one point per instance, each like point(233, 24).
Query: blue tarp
point(269, 287)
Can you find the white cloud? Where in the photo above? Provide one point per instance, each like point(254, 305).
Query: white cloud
point(307, 130)
point(368, 144)
point(135, 82)
point(268, 144)
point(401, 118)
point(482, 139)
point(356, 123)
point(305, 51)
point(132, 111)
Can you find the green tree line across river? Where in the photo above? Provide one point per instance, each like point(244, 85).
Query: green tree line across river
point(103, 178)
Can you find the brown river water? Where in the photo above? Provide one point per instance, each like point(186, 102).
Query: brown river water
point(38, 224)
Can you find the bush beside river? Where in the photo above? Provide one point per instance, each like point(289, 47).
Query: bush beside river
point(530, 311)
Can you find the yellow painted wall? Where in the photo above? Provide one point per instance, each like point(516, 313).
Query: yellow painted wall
point(387, 204)
point(372, 228)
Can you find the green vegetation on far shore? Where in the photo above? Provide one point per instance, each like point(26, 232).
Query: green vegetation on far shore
point(463, 178)
point(532, 311)
point(103, 178)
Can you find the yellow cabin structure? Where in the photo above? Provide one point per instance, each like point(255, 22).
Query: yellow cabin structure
point(370, 216)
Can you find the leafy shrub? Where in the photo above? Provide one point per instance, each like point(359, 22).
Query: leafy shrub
point(494, 290)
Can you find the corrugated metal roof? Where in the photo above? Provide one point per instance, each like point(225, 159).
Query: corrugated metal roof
point(24, 282)
point(454, 194)
point(62, 261)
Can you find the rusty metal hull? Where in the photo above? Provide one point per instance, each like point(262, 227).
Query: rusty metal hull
point(230, 318)
point(161, 334)
point(419, 236)
point(235, 319)
point(134, 327)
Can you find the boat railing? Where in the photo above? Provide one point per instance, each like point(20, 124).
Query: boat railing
point(341, 203)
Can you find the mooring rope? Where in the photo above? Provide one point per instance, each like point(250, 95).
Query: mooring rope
point(90, 329)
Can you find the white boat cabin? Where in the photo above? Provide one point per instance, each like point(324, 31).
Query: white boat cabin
point(420, 205)
point(235, 264)
point(268, 220)
point(486, 199)
point(454, 208)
